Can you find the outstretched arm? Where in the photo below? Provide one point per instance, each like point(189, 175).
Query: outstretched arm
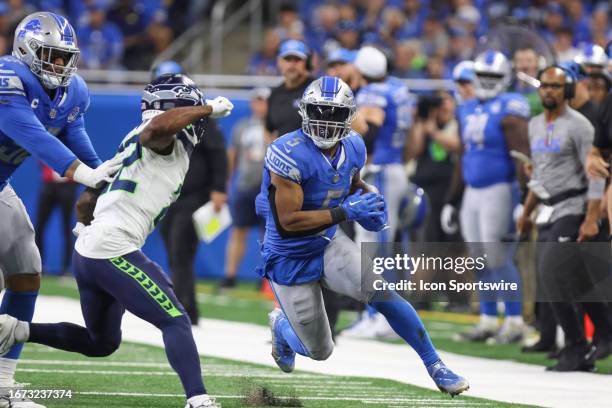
point(159, 133)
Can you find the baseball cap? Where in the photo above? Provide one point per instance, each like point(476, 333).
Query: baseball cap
point(574, 69)
point(294, 48)
point(341, 55)
point(464, 71)
point(260, 93)
point(371, 62)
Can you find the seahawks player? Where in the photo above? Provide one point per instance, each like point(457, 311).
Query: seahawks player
point(311, 178)
point(387, 106)
point(42, 103)
point(112, 274)
point(491, 125)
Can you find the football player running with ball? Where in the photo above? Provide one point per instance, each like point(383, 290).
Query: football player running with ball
point(311, 178)
point(112, 273)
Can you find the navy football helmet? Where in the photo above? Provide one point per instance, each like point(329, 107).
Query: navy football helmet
point(170, 91)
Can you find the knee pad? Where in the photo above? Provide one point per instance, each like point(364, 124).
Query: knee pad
point(105, 347)
point(322, 353)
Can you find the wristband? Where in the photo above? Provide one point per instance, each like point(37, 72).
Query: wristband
point(337, 215)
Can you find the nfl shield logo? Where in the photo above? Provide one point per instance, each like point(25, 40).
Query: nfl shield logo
point(52, 113)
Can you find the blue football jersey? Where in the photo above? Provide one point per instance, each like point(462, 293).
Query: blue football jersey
point(486, 159)
point(393, 97)
point(325, 184)
point(22, 134)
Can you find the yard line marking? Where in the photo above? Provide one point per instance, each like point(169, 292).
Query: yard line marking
point(372, 400)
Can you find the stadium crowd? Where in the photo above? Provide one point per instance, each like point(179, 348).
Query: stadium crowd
point(426, 39)
point(113, 34)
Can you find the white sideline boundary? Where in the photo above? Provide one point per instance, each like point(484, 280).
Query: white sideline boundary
point(492, 379)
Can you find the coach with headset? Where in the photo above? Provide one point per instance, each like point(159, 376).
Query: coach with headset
point(560, 139)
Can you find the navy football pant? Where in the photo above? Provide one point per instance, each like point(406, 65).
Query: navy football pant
point(107, 288)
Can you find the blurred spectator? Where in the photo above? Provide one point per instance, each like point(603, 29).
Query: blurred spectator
point(414, 12)
point(433, 142)
point(289, 24)
point(463, 76)
point(294, 63)
point(56, 192)
point(462, 45)
point(264, 61)
point(142, 25)
point(564, 45)
point(371, 20)
point(100, 41)
point(409, 60)
point(600, 27)
point(321, 30)
point(245, 157)
point(434, 38)
point(435, 68)
point(553, 21)
point(578, 21)
point(347, 35)
point(526, 60)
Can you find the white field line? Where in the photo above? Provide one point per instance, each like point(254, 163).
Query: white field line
point(366, 400)
point(492, 379)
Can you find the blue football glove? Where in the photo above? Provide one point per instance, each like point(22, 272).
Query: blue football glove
point(357, 206)
point(377, 222)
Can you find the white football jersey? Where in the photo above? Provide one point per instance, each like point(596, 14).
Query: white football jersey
point(139, 196)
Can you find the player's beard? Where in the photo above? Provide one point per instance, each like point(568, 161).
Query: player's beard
point(550, 104)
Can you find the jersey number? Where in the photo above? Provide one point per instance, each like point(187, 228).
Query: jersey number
point(125, 184)
point(475, 128)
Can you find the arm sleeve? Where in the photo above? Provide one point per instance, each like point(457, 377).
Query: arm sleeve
point(18, 121)
point(217, 158)
point(78, 142)
point(583, 139)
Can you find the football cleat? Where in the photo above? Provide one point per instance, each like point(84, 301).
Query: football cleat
point(446, 380)
point(8, 324)
point(510, 332)
point(282, 353)
point(202, 401)
point(363, 328)
point(10, 397)
point(481, 332)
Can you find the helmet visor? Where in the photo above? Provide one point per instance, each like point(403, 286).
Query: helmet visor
point(327, 113)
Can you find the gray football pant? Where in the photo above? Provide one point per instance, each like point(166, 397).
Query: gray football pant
point(18, 251)
point(303, 303)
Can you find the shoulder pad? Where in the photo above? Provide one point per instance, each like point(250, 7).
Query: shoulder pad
point(13, 74)
point(371, 95)
point(284, 156)
point(516, 104)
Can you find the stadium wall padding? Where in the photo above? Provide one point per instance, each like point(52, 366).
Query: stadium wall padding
point(110, 117)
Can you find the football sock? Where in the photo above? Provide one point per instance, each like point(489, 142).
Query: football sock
point(406, 322)
point(291, 338)
point(488, 308)
point(21, 306)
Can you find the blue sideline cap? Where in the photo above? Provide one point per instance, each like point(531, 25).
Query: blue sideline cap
point(294, 48)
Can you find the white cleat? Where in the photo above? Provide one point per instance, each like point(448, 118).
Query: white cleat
point(8, 324)
point(364, 328)
point(202, 401)
point(13, 395)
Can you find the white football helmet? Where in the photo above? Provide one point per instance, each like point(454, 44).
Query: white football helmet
point(592, 57)
point(327, 109)
point(493, 74)
point(40, 39)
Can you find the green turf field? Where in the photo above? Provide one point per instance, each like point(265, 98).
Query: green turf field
point(244, 304)
point(139, 376)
